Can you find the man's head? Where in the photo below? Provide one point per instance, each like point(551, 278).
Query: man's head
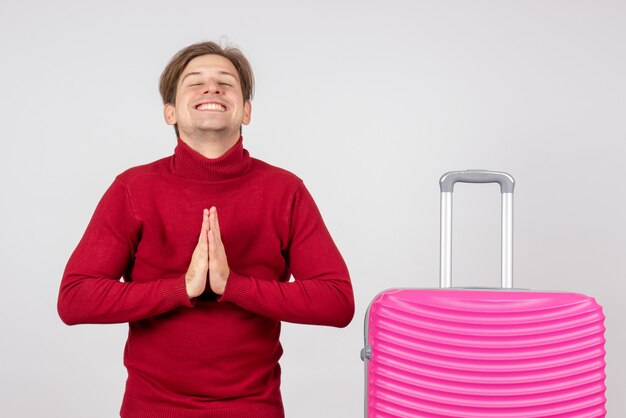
point(205, 87)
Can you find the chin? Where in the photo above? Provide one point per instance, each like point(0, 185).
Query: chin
point(213, 130)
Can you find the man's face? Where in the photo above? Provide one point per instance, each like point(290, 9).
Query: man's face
point(208, 99)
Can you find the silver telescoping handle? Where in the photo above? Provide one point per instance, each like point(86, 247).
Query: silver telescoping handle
point(507, 184)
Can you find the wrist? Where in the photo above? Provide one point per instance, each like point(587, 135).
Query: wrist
point(220, 287)
point(192, 288)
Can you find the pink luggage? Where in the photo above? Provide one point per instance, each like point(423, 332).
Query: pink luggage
point(483, 353)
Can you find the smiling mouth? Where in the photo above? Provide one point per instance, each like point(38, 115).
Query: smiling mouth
point(211, 106)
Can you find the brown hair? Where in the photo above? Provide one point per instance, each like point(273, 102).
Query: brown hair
point(170, 75)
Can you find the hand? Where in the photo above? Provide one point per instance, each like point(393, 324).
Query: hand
point(208, 259)
point(195, 278)
point(218, 263)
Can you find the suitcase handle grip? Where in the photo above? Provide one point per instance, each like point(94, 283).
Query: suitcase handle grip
point(446, 183)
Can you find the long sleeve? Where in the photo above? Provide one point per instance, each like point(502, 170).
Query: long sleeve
point(321, 292)
point(91, 290)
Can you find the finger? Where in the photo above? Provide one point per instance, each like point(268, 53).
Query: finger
point(214, 223)
point(218, 232)
point(205, 226)
point(215, 246)
point(212, 245)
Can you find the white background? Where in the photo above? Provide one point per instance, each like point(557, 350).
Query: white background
point(368, 102)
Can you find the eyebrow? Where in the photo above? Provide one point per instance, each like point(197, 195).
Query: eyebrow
point(199, 73)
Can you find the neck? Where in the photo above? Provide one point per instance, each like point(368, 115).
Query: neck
point(189, 163)
point(210, 146)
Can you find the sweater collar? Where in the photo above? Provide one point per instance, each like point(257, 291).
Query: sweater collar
point(189, 163)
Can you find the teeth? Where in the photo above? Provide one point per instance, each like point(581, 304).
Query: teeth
point(211, 106)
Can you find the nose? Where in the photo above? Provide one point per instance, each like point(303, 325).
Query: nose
point(212, 87)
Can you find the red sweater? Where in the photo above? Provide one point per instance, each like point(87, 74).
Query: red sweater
point(212, 356)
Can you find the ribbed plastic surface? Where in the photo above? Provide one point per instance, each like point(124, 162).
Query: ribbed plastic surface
point(483, 354)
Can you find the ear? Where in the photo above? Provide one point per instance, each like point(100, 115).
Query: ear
point(247, 110)
point(169, 113)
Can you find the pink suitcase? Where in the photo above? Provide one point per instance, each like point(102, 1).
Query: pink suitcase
point(478, 353)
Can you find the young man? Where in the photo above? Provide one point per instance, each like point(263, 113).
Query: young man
point(204, 294)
